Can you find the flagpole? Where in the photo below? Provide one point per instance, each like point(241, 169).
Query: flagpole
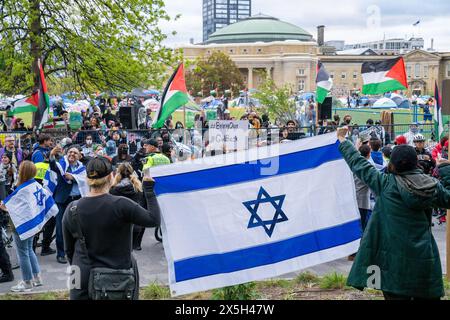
point(184, 116)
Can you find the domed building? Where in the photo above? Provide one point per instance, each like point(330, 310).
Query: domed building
point(286, 52)
point(259, 28)
point(289, 55)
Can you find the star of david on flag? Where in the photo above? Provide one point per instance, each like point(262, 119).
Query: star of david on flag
point(30, 207)
point(245, 224)
point(40, 196)
point(256, 220)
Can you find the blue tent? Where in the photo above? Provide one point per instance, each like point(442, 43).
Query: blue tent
point(307, 96)
point(151, 91)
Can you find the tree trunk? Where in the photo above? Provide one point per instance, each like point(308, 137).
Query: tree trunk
point(35, 37)
point(36, 47)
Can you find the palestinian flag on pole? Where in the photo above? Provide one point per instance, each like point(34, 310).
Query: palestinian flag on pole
point(323, 82)
point(384, 76)
point(28, 104)
point(41, 115)
point(438, 125)
point(175, 96)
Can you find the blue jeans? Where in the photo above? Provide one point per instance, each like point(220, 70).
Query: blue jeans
point(28, 261)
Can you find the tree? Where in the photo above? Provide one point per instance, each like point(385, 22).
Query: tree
point(100, 44)
point(218, 71)
point(276, 101)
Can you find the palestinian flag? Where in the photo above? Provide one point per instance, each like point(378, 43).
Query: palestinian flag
point(41, 115)
point(384, 76)
point(28, 104)
point(438, 124)
point(323, 82)
point(175, 95)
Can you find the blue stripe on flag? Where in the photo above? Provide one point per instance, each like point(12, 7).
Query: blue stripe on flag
point(248, 171)
point(30, 224)
point(23, 185)
point(48, 179)
point(267, 254)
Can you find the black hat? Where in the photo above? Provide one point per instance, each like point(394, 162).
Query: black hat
point(151, 142)
point(404, 158)
point(98, 168)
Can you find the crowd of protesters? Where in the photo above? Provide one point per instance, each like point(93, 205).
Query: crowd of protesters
point(116, 163)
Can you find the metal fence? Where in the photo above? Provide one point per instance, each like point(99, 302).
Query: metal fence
point(194, 143)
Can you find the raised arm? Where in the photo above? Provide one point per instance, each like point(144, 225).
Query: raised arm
point(150, 217)
point(365, 171)
point(442, 199)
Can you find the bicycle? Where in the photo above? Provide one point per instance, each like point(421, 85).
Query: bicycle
point(158, 234)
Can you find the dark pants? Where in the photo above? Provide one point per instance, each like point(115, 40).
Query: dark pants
point(47, 233)
point(138, 234)
point(59, 233)
point(392, 296)
point(364, 213)
point(5, 263)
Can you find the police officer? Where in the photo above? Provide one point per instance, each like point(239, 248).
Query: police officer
point(426, 161)
point(47, 232)
point(155, 157)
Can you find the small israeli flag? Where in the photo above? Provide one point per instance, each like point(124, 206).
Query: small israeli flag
point(30, 206)
point(51, 177)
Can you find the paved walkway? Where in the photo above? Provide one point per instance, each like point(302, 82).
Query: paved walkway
point(153, 265)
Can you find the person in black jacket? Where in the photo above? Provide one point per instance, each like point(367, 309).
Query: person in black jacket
point(127, 184)
point(106, 223)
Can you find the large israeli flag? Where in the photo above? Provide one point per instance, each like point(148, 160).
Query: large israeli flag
point(240, 217)
point(30, 206)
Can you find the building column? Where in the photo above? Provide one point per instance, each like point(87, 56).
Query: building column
point(250, 78)
point(269, 72)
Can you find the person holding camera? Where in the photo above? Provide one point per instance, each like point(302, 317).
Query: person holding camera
point(98, 232)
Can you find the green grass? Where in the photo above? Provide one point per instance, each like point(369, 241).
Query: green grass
point(155, 291)
point(51, 295)
point(333, 281)
point(282, 283)
point(306, 278)
point(247, 291)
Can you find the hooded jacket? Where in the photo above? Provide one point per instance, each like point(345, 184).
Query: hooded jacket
point(398, 238)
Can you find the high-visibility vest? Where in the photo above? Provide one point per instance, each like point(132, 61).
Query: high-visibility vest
point(42, 168)
point(156, 159)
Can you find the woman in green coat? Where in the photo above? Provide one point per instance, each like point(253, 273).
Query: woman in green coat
point(398, 254)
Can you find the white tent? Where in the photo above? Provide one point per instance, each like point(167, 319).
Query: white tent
point(385, 103)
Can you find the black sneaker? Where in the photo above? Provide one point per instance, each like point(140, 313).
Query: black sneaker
point(6, 277)
point(61, 260)
point(47, 251)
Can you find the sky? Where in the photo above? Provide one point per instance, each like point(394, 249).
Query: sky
point(351, 20)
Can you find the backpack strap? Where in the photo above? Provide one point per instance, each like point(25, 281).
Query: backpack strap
point(78, 232)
